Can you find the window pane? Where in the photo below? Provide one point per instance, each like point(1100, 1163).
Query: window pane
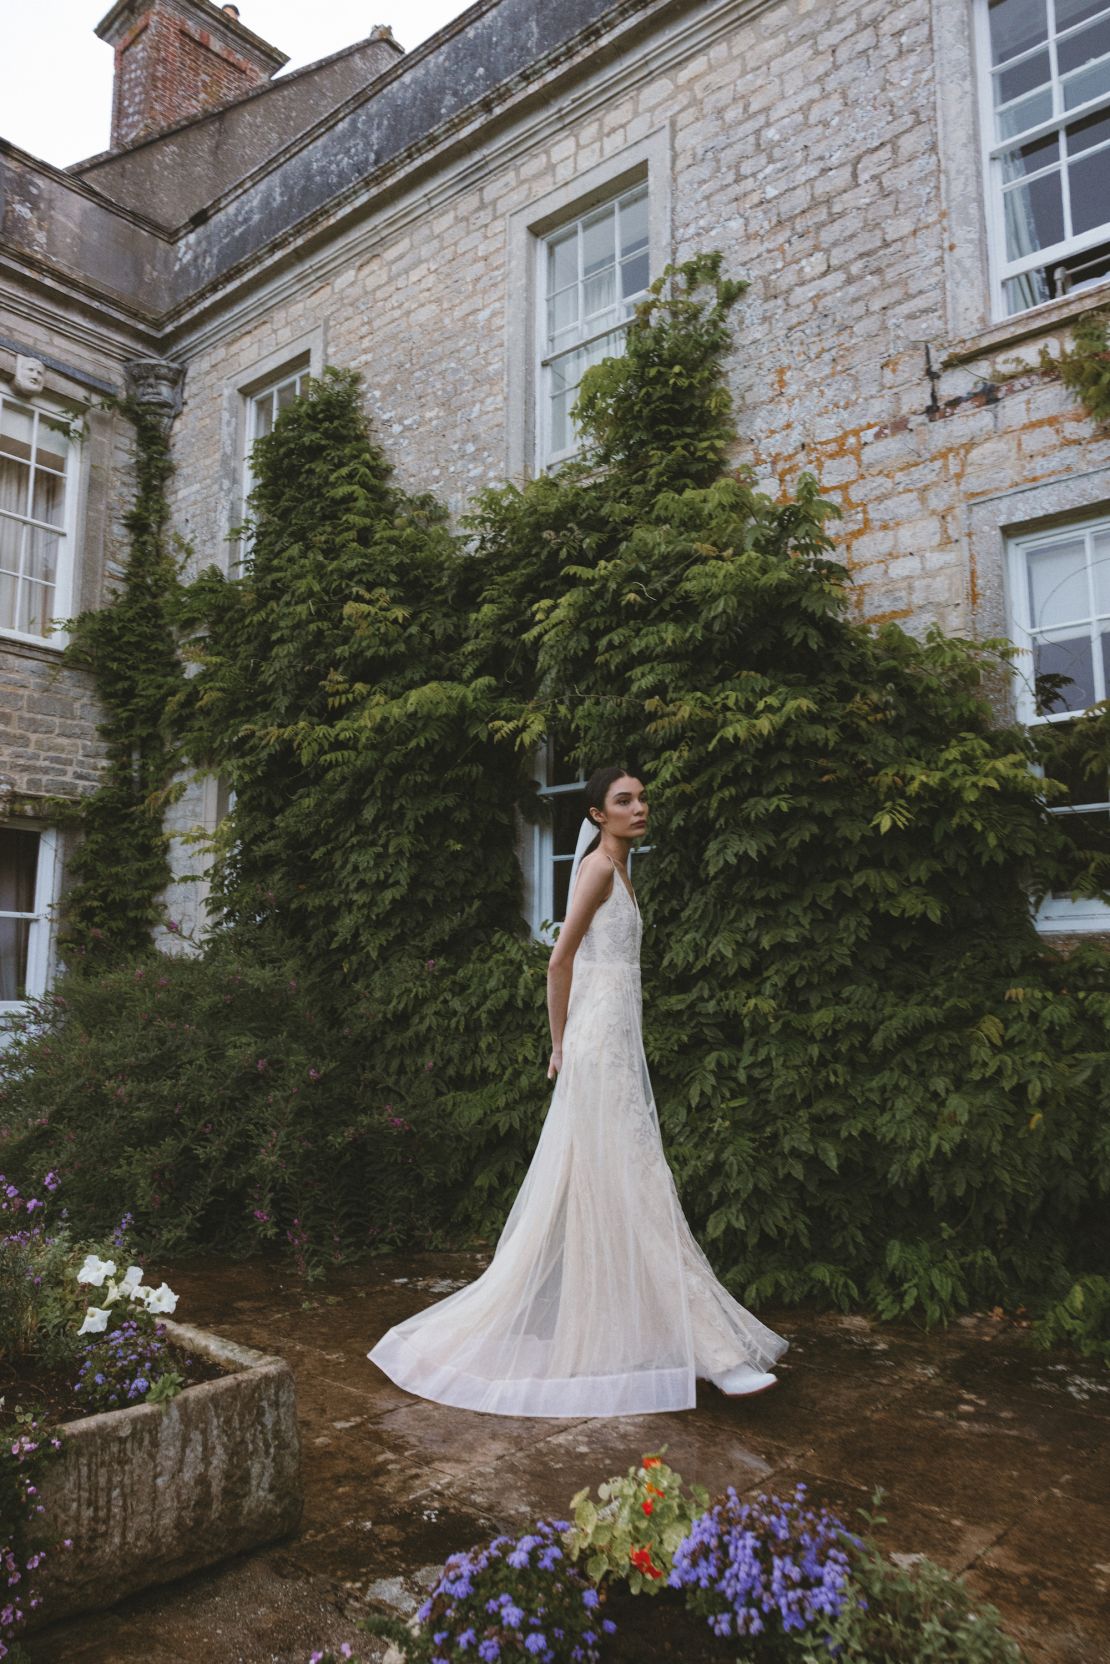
point(1064, 674)
point(14, 937)
point(1093, 129)
point(1100, 560)
point(287, 393)
point(1034, 215)
point(9, 599)
point(41, 555)
point(1086, 84)
point(1089, 184)
point(263, 415)
point(1025, 76)
point(562, 261)
point(598, 248)
point(562, 317)
point(1071, 12)
point(1084, 46)
point(634, 276)
point(36, 608)
point(19, 858)
point(1015, 26)
point(568, 813)
point(16, 427)
point(1031, 157)
point(1028, 113)
point(634, 225)
point(560, 886)
point(49, 497)
point(598, 293)
point(1058, 585)
point(14, 478)
point(49, 452)
point(11, 544)
point(562, 436)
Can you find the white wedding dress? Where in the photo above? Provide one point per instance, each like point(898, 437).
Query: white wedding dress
point(598, 1300)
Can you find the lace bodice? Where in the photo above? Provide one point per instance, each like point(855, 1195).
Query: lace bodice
point(614, 932)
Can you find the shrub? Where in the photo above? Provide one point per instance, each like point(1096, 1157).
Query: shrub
point(920, 1615)
point(230, 1109)
point(508, 1599)
point(769, 1568)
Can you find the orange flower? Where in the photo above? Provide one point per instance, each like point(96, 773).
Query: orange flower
point(655, 1491)
point(651, 1462)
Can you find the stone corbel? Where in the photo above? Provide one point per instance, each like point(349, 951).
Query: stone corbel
point(156, 384)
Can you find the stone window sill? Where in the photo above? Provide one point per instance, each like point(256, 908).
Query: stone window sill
point(1036, 321)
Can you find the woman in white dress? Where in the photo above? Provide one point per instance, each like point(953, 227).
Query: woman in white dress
point(598, 1300)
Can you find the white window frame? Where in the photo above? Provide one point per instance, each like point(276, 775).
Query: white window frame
point(543, 851)
point(67, 532)
point(252, 395)
point(546, 456)
point(1002, 269)
point(1056, 913)
point(39, 935)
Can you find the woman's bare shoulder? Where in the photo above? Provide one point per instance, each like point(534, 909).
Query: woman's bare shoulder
point(599, 867)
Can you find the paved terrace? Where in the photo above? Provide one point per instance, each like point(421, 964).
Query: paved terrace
point(995, 1460)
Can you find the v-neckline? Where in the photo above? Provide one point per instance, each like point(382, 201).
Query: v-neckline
point(627, 888)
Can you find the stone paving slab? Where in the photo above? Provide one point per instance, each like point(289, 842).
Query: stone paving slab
point(995, 1460)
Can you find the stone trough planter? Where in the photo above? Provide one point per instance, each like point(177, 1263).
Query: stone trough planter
point(153, 1492)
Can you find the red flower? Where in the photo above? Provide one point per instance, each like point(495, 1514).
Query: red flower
point(641, 1559)
point(647, 1506)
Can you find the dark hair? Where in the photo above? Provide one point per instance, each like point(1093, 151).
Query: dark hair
point(597, 790)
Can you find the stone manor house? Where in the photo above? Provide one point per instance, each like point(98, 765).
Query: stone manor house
point(918, 192)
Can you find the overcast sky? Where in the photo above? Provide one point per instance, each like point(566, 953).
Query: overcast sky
point(56, 99)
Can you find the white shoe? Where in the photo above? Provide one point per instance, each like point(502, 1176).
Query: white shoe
point(742, 1381)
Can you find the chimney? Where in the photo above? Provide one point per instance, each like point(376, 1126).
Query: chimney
point(178, 58)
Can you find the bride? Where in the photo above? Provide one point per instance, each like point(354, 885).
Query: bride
point(598, 1300)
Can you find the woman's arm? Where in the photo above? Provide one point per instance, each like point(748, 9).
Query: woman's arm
point(595, 879)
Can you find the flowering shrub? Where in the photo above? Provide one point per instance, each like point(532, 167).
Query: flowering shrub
point(125, 1366)
point(43, 1288)
point(39, 1300)
point(24, 1450)
point(639, 1525)
point(506, 1600)
point(765, 1568)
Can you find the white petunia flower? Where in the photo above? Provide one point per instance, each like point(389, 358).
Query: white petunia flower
point(111, 1293)
point(161, 1299)
point(129, 1282)
point(96, 1320)
point(95, 1270)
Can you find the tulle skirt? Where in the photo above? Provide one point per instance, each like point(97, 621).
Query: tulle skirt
point(598, 1300)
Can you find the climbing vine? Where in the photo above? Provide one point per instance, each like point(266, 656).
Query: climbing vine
point(120, 866)
point(1085, 366)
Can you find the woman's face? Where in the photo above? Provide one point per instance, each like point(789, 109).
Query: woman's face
point(626, 809)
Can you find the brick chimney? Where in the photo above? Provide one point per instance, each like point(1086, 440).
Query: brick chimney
point(177, 58)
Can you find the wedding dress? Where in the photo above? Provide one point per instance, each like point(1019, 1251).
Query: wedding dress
point(598, 1300)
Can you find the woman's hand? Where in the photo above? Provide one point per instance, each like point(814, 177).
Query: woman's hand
point(556, 1063)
